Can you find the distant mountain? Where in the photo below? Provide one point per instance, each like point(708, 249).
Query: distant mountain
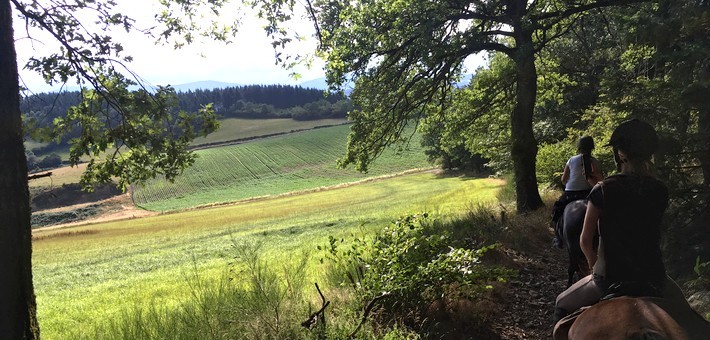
point(321, 84)
point(318, 83)
point(203, 85)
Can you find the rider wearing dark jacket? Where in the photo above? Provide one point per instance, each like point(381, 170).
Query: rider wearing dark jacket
point(625, 211)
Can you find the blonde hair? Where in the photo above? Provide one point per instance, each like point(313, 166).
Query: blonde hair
point(642, 165)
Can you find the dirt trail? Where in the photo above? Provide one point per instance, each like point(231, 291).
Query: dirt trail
point(116, 208)
point(530, 299)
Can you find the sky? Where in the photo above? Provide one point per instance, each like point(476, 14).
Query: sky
point(248, 60)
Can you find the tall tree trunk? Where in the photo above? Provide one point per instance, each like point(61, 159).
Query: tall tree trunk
point(18, 317)
point(704, 143)
point(524, 145)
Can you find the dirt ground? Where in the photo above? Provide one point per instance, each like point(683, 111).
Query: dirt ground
point(528, 301)
point(118, 207)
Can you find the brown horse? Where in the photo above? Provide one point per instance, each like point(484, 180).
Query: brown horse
point(626, 318)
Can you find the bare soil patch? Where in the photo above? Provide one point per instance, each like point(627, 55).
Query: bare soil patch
point(527, 302)
point(116, 207)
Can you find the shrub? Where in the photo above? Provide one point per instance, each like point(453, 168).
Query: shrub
point(412, 264)
point(51, 161)
point(551, 160)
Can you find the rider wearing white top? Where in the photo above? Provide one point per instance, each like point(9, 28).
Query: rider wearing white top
point(577, 177)
point(581, 172)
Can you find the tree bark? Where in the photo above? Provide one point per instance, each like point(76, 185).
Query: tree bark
point(524, 145)
point(18, 317)
point(704, 143)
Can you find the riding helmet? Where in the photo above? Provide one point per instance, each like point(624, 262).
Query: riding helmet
point(635, 138)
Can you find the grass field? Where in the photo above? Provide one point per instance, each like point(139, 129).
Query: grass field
point(269, 166)
point(60, 176)
point(230, 129)
point(238, 128)
point(86, 276)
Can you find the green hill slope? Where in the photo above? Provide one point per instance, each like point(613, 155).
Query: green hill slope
point(89, 276)
point(271, 166)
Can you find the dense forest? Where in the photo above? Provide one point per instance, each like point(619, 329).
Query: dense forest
point(648, 62)
point(252, 101)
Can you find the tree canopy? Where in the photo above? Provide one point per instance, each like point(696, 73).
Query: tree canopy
point(405, 56)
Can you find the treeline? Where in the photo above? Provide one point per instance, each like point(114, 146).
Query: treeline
point(268, 101)
point(252, 101)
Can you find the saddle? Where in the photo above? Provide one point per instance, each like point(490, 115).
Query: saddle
point(633, 289)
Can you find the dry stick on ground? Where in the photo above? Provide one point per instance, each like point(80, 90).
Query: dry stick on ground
point(313, 319)
point(366, 313)
point(46, 174)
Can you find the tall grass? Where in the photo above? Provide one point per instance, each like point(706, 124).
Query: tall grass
point(254, 300)
point(435, 286)
point(271, 299)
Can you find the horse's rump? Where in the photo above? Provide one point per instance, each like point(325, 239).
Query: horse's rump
point(572, 223)
point(635, 318)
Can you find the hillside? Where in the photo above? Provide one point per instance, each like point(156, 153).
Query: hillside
point(147, 259)
point(269, 166)
point(296, 161)
point(255, 102)
point(522, 310)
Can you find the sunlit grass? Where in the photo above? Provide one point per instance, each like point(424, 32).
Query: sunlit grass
point(230, 129)
point(84, 278)
point(239, 128)
point(270, 166)
point(60, 176)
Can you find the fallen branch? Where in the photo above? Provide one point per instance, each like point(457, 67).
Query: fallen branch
point(313, 319)
point(366, 313)
point(46, 174)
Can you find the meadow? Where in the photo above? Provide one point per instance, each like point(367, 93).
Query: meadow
point(240, 128)
point(87, 276)
point(269, 166)
point(230, 129)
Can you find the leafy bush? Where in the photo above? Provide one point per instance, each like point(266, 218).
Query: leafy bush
point(702, 268)
point(551, 160)
point(50, 161)
point(412, 264)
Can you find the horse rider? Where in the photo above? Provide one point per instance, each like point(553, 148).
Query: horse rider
point(625, 210)
point(581, 173)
